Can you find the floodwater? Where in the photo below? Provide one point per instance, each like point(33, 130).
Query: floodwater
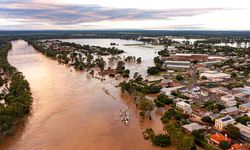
point(131, 47)
point(71, 111)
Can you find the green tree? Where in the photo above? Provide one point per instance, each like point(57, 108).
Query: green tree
point(186, 143)
point(148, 134)
point(203, 78)
point(158, 104)
point(164, 99)
point(233, 75)
point(161, 140)
point(208, 120)
point(179, 77)
point(120, 67)
point(233, 131)
point(1, 81)
point(153, 70)
point(146, 105)
point(138, 60)
point(243, 119)
point(224, 145)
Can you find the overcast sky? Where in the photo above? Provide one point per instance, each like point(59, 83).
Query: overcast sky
point(125, 14)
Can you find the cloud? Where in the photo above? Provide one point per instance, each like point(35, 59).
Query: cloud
point(29, 12)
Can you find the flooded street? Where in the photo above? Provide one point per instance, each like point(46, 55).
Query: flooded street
point(70, 109)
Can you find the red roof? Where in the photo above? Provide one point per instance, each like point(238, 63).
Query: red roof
point(238, 147)
point(217, 138)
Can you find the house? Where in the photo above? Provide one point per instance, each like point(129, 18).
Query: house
point(228, 100)
point(198, 114)
point(215, 76)
point(189, 57)
point(215, 139)
point(242, 94)
point(245, 107)
point(184, 107)
point(222, 122)
point(238, 146)
point(171, 64)
point(211, 63)
point(244, 132)
point(189, 128)
point(167, 91)
point(214, 116)
point(219, 91)
point(232, 111)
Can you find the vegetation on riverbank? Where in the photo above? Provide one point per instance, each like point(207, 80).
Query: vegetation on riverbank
point(16, 97)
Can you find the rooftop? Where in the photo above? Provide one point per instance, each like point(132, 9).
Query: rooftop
point(238, 146)
point(225, 118)
point(220, 137)
point(193, 126)
point(183, 104)
point(175, 61)
point(245, 105)
point(214, 74)
point(231, 109)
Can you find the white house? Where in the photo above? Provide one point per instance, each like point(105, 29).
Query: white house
point(171, 64)
point(215, 76)
point(228, 100)
point(193, 126)
point(184, 107)
point(222, 122)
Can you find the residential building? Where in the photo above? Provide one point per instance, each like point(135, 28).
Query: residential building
point(211, 63)
point(245, 107)
point(189, 57)
point(228, 100)
point(222, 122)
point(238, 146)
point(170, 64)
point(214, 116)
point(232, 111)
point(242, 94)
point(184, 107)
point(198, 114)
point(219, 91)
point(167, 91)
point(215, 76)
point(244, 132)
point(189, 128)
point(215, 139)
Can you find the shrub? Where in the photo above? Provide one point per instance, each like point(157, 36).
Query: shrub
point(153, 70)
point(161, 140)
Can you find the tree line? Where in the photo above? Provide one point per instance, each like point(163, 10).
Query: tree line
point(16, 94)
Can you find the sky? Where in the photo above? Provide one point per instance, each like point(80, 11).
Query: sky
point(124, 14)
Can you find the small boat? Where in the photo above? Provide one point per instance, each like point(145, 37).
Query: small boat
point(124, 115)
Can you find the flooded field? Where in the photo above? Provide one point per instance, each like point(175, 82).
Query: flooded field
point(70, 109)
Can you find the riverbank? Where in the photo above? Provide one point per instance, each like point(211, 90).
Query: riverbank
point(15, 96)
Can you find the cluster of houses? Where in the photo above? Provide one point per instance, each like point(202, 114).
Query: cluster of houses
point(236, 101)
point(55, 45)
point(221, 120)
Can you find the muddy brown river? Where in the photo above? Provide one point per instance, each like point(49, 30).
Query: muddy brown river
point(71, 111)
